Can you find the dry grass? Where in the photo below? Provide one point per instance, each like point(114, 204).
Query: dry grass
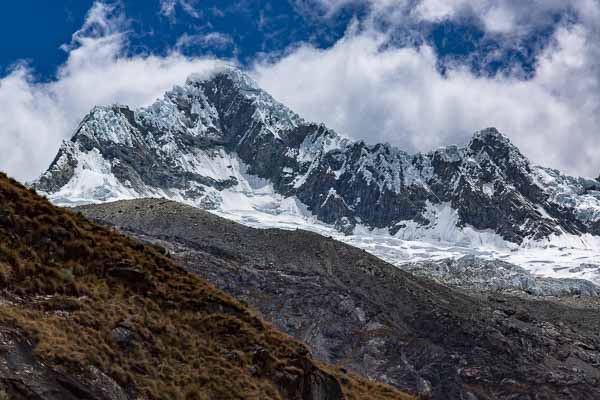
point(74, 282)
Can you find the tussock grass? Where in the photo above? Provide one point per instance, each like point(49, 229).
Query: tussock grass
point(73, 285)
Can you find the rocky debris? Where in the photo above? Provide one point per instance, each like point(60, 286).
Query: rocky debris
point(223, 132)
point(124, 335)
point(23, 376)
point(372, 318)
point(130, 274)
point(473, 273)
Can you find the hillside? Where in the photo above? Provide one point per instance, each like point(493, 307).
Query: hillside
point(358, 311)
point(87, 313)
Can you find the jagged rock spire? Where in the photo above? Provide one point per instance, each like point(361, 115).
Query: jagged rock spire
point(217, 136)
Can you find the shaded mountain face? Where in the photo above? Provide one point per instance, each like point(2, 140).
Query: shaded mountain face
point(221, 142)
point(355, 310)
point(87, 313)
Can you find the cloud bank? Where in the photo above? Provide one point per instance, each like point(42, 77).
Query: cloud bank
point(368, 90)
point(36, 117)
point(384, 94)
point(361, 87)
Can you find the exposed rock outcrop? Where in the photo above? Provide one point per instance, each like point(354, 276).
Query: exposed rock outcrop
point(375, 319)
point(211, 139)
point(23, 376)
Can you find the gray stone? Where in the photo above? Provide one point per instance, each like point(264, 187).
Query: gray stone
point(475, 273)
point(490, 184)
point(418, 335)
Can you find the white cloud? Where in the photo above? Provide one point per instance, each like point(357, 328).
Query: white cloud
point(505, 16)
point(212, 39)
point(359, 87)
point(168, 8)
point(36, 117)
point(329, 7)
point(380, 94)
point(499, 19)
point(433, 10)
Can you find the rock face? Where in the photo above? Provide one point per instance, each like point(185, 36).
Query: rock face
point(370, 317)
point(220, 140)
point(473, 273)
point(24, 376)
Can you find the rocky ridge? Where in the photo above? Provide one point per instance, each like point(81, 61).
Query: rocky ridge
point(220, 141)
point(355, 310)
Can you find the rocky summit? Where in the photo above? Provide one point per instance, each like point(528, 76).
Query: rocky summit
point(220, 142)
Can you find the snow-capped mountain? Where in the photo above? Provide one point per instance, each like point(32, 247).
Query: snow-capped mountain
point(222, 143)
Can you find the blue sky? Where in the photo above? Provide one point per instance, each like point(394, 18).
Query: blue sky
point(34, 30)
point(248, 29)
point(415, 73)
point(241, 29)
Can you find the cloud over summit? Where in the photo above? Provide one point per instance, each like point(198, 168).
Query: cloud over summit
point(361, 86)
point(380, 93)
point(36, 116)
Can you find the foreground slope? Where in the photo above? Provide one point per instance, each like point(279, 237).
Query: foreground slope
point(356, 310)
point(86, 313)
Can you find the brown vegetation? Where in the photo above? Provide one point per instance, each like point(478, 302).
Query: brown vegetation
point(88, 296)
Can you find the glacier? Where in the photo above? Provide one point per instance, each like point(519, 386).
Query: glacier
point(254, 202)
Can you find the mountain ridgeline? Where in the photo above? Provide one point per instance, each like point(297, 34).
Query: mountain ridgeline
point(218, 134)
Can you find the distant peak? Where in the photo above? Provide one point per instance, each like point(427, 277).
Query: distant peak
point(498, 147)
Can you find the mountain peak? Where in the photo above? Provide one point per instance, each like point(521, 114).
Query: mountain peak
point(489, 132)
point(494, 143)
point(214, 138)
point(491, 136)
point(240, 79)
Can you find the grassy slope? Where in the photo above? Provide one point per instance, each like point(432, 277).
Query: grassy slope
point(68, 283)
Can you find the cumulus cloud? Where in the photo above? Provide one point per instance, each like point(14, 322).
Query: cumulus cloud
point(168, 8)
point(360, 86)
point(380, 93)
point(35, 117)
